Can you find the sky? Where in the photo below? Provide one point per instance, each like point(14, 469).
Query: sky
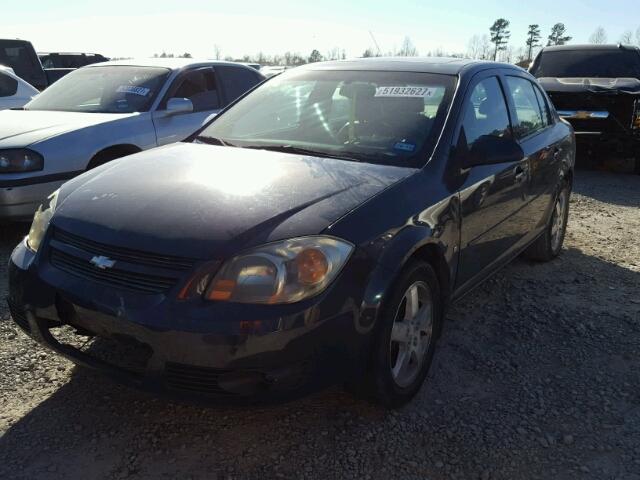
point(140, 28)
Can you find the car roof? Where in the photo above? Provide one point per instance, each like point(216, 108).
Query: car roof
point(170, 63)
point(443, 65)
point(589, 46)
point(70, 53)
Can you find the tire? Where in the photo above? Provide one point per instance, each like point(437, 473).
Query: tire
point(388, 383)
point(549, 244)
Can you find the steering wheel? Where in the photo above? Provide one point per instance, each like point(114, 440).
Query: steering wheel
point(379, 125)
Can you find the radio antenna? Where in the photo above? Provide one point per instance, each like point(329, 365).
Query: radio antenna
point(376, 43)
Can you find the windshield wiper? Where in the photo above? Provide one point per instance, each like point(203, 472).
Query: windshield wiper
point(304, 151)
point(214, 141)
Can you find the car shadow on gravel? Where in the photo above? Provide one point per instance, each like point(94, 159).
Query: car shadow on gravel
point(12, 233)
point(614, 188)
point(528, 365)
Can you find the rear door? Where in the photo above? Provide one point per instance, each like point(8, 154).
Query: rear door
point(199, 85)
point(534, 130)
point(493, 195)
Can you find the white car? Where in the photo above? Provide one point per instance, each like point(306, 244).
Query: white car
point(104, 111)
point(14, 91)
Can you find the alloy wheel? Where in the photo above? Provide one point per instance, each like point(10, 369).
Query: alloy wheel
point(411, 334)
point(558, 220)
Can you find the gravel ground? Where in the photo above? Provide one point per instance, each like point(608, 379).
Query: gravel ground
point(536, 376)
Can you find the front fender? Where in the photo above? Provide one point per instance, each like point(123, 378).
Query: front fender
point(433, 236)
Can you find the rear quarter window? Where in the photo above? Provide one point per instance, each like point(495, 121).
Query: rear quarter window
point(236, 80)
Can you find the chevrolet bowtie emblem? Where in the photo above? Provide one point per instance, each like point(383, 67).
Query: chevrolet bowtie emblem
point(102, 262)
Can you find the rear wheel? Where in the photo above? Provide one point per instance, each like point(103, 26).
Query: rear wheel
point(549, 244)
point(407, 337)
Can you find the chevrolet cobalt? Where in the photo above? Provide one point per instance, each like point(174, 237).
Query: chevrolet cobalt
point(313, 233)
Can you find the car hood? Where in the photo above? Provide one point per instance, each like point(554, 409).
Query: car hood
point(593, 85)
point(21, 128)
point(204, 201)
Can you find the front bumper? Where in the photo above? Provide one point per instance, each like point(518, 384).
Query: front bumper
point(253, 354)
point(20, 202)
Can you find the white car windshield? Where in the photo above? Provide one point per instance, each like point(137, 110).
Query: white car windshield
point(374, 116)
point(108, 89)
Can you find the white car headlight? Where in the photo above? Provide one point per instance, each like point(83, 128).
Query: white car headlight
point(41, 220)
point(283, 272)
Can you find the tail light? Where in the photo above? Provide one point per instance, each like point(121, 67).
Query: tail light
point(635, 124)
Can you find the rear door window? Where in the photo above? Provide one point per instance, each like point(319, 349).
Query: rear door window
point(236, 80)
point(529, 119)
point(8, 85)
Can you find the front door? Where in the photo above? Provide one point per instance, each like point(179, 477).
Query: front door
point(201, 87)
point(493, 194)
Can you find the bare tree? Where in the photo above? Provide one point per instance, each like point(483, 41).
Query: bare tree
point(507, 54)
point(599, 36)
point(485, 47)
point(474, 47)
point(333, 54)
point(500, 35)
point(217, 51)
point(408, 49)
point(627, 37)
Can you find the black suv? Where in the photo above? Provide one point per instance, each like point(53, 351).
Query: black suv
point(596, 88)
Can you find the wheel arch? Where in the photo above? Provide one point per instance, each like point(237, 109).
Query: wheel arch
point(416, 244)
point(111, 153)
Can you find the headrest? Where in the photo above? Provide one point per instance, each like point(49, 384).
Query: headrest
point(350, 90)
point(485, 107)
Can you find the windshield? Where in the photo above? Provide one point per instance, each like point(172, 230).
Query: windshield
point(110, 89)
point(588, 64)
point(379, 117)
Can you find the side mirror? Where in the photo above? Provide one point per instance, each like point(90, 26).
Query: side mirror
point(490, 149)
point(178, 106)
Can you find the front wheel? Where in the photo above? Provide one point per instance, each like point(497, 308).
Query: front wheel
point(549, 244)
point(407, 336)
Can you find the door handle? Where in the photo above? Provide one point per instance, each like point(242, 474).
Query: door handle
point(519, 173)
point(556, 153)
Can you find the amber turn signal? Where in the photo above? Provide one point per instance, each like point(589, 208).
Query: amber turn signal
point(312, 266)
point(221, 290)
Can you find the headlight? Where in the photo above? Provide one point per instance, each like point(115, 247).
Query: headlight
point(282, 272)
point(20, 160)
point(41, 220)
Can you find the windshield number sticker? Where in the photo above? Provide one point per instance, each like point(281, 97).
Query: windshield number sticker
point(405, 92)
point(405, 147)
point(142, 91)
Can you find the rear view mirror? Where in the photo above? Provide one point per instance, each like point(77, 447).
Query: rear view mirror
point(490, 149)
point(177, 106)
